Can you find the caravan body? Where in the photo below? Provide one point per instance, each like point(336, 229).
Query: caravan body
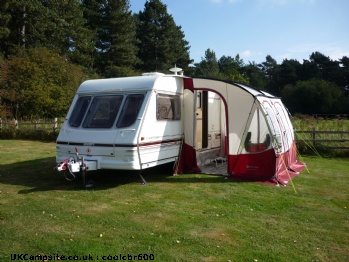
point(127, 123)
point(134, 123)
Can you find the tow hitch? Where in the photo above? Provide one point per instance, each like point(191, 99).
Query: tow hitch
point(72, 168)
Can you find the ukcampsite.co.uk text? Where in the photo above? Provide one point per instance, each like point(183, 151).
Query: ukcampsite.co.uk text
point(89, 257)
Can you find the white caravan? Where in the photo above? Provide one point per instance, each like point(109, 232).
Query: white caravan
point(132, 123)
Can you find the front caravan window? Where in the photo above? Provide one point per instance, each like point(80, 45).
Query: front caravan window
point(168, 107)
point(79, 111)
point(103, 111)
point(130, 110)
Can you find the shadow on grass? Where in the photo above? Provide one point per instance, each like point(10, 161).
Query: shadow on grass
point(38, 175)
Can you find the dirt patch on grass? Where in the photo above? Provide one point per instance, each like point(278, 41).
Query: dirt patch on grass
point(95, 209)
point(219, 236)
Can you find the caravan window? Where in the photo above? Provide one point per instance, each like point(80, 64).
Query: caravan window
point(130, 110)
point(168, 107)
point(79, 111)
point(103, 111)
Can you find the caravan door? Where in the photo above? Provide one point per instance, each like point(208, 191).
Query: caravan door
point(160, 135)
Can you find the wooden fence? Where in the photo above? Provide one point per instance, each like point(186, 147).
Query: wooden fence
point(54, 125)
point(315, 137)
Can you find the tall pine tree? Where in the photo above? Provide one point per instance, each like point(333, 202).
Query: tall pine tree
point(270, 69)
point(115, 41)
point(4, 30)
point(19, 24)
point(63, 28)
point(162, 44)
point(208, 67)
point(56, 25)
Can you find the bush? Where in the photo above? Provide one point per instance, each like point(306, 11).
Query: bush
point(38, 83)
point(29, 134)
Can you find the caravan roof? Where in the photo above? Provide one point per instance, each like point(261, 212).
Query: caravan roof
point(145, 82)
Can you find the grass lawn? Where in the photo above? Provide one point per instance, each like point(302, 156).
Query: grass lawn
point(173, 218)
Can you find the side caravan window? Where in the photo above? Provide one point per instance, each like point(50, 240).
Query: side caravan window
point(130, 110)
point(103, 111)
point(79, 111)
point(168, 107)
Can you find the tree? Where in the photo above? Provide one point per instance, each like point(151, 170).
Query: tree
point(329, 69)
point(6, 94)
point(312, 96)
point(57, 25)
point(115, 36)
point(93, 15)
point(289, 72)
point(230, 67)
point(208, 67)
point(38, 83)
point(344, 61)
point(253, 73)
point(80, 38)
point(270, 69)
point(162, 44)
point(63, 28)
point(21, 17)
point(4, 30)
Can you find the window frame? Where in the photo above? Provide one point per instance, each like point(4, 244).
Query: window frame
point(173, 104)
point(92, 120)
point(82, 116)
point(79, 111)
point(121, 121)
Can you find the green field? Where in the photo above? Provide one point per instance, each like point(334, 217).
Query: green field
point(173, 218)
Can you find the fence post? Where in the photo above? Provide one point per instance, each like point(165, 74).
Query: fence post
point(314, 137)
point(55, 125)
point(16, 123)
point(0, 124)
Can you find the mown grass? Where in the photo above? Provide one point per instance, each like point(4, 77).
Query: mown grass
point(175, 218)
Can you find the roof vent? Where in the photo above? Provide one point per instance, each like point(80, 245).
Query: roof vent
point(153, 74)
point(176, 70)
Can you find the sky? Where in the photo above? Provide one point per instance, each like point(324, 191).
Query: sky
point(283, 29)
